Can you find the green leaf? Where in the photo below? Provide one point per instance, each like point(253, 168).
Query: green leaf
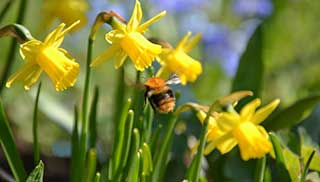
point(134, 159)
point(10, 149)
point(193, 172)
point(147, 165)
point(249, 75)
point(74, 177)
point(93, 119)
point(292, 115)
point(119, 140)
point(37, 174)
point(91, 165)
point(280, 160)
point(260, 169)
point(36, 151)
point(127, 138)
point(162, 154)
point(306, 167)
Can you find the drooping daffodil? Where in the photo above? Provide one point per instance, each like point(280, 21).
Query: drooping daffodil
point(128, 40)
point(48, 57)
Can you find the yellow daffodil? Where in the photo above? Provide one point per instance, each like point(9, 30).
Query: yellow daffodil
point(178, 61)
point(67, 11)
point(48, 57)
point(129, 41)
point(227, 129)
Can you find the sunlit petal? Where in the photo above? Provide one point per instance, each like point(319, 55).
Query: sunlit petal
point(105, 56)
point(143, 27)
point(135, 17)
point(192, 42)
point(183, 41)
point(265, 111)
point(249, 109)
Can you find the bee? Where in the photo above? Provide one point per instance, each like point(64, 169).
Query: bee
point(159, 94)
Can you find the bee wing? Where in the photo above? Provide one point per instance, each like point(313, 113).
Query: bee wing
point(173, 80)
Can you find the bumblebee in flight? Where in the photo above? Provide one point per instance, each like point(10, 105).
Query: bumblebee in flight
point(159, 94)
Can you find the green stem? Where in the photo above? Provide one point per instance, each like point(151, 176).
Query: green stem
point(5, 9)
point(194, 171)
point(260, 169)
point(13, 46)
point(161, 158)
point(85, 123)
point(36, 151)
point(92, 165)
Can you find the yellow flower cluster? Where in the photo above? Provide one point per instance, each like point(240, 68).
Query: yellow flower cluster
point(227, 129)
point(126, 41)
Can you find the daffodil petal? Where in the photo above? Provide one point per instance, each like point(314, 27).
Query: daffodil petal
point(28, 73)
point(114, 36)
point(202, 115)
point(135, 17)
point(183, 41)
point(120, 57)
point(226, 121)
point(227, 145)
point(192, 42)
point(262, 113)
point(218, 141)
point(105, 56)
point(52, 38)
point(249, 109)
point(143, 27)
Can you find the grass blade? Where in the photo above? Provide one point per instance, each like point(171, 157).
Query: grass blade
point(91, 165)
point(306, 167)
point(10, 149)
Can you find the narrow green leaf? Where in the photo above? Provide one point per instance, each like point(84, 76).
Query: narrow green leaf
point(5, 9)
point(306, 167)
point(97, 178)
point(133, 175)
point(119, 140)
point(134, 159)
point(194, 172)
point(280, 161)
point(138, 105)
point(36, 151)
point(10, 149)
point(127, 138)
point(260, 169)
point(91, 165)
point(147, 165)
point(249, 75)
point(74, 176)
point(162, 155)
point(154, 140)
point(93, 119)
point(147, 130)
point(37, 174)
point(292, 115)
point(119, 96)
